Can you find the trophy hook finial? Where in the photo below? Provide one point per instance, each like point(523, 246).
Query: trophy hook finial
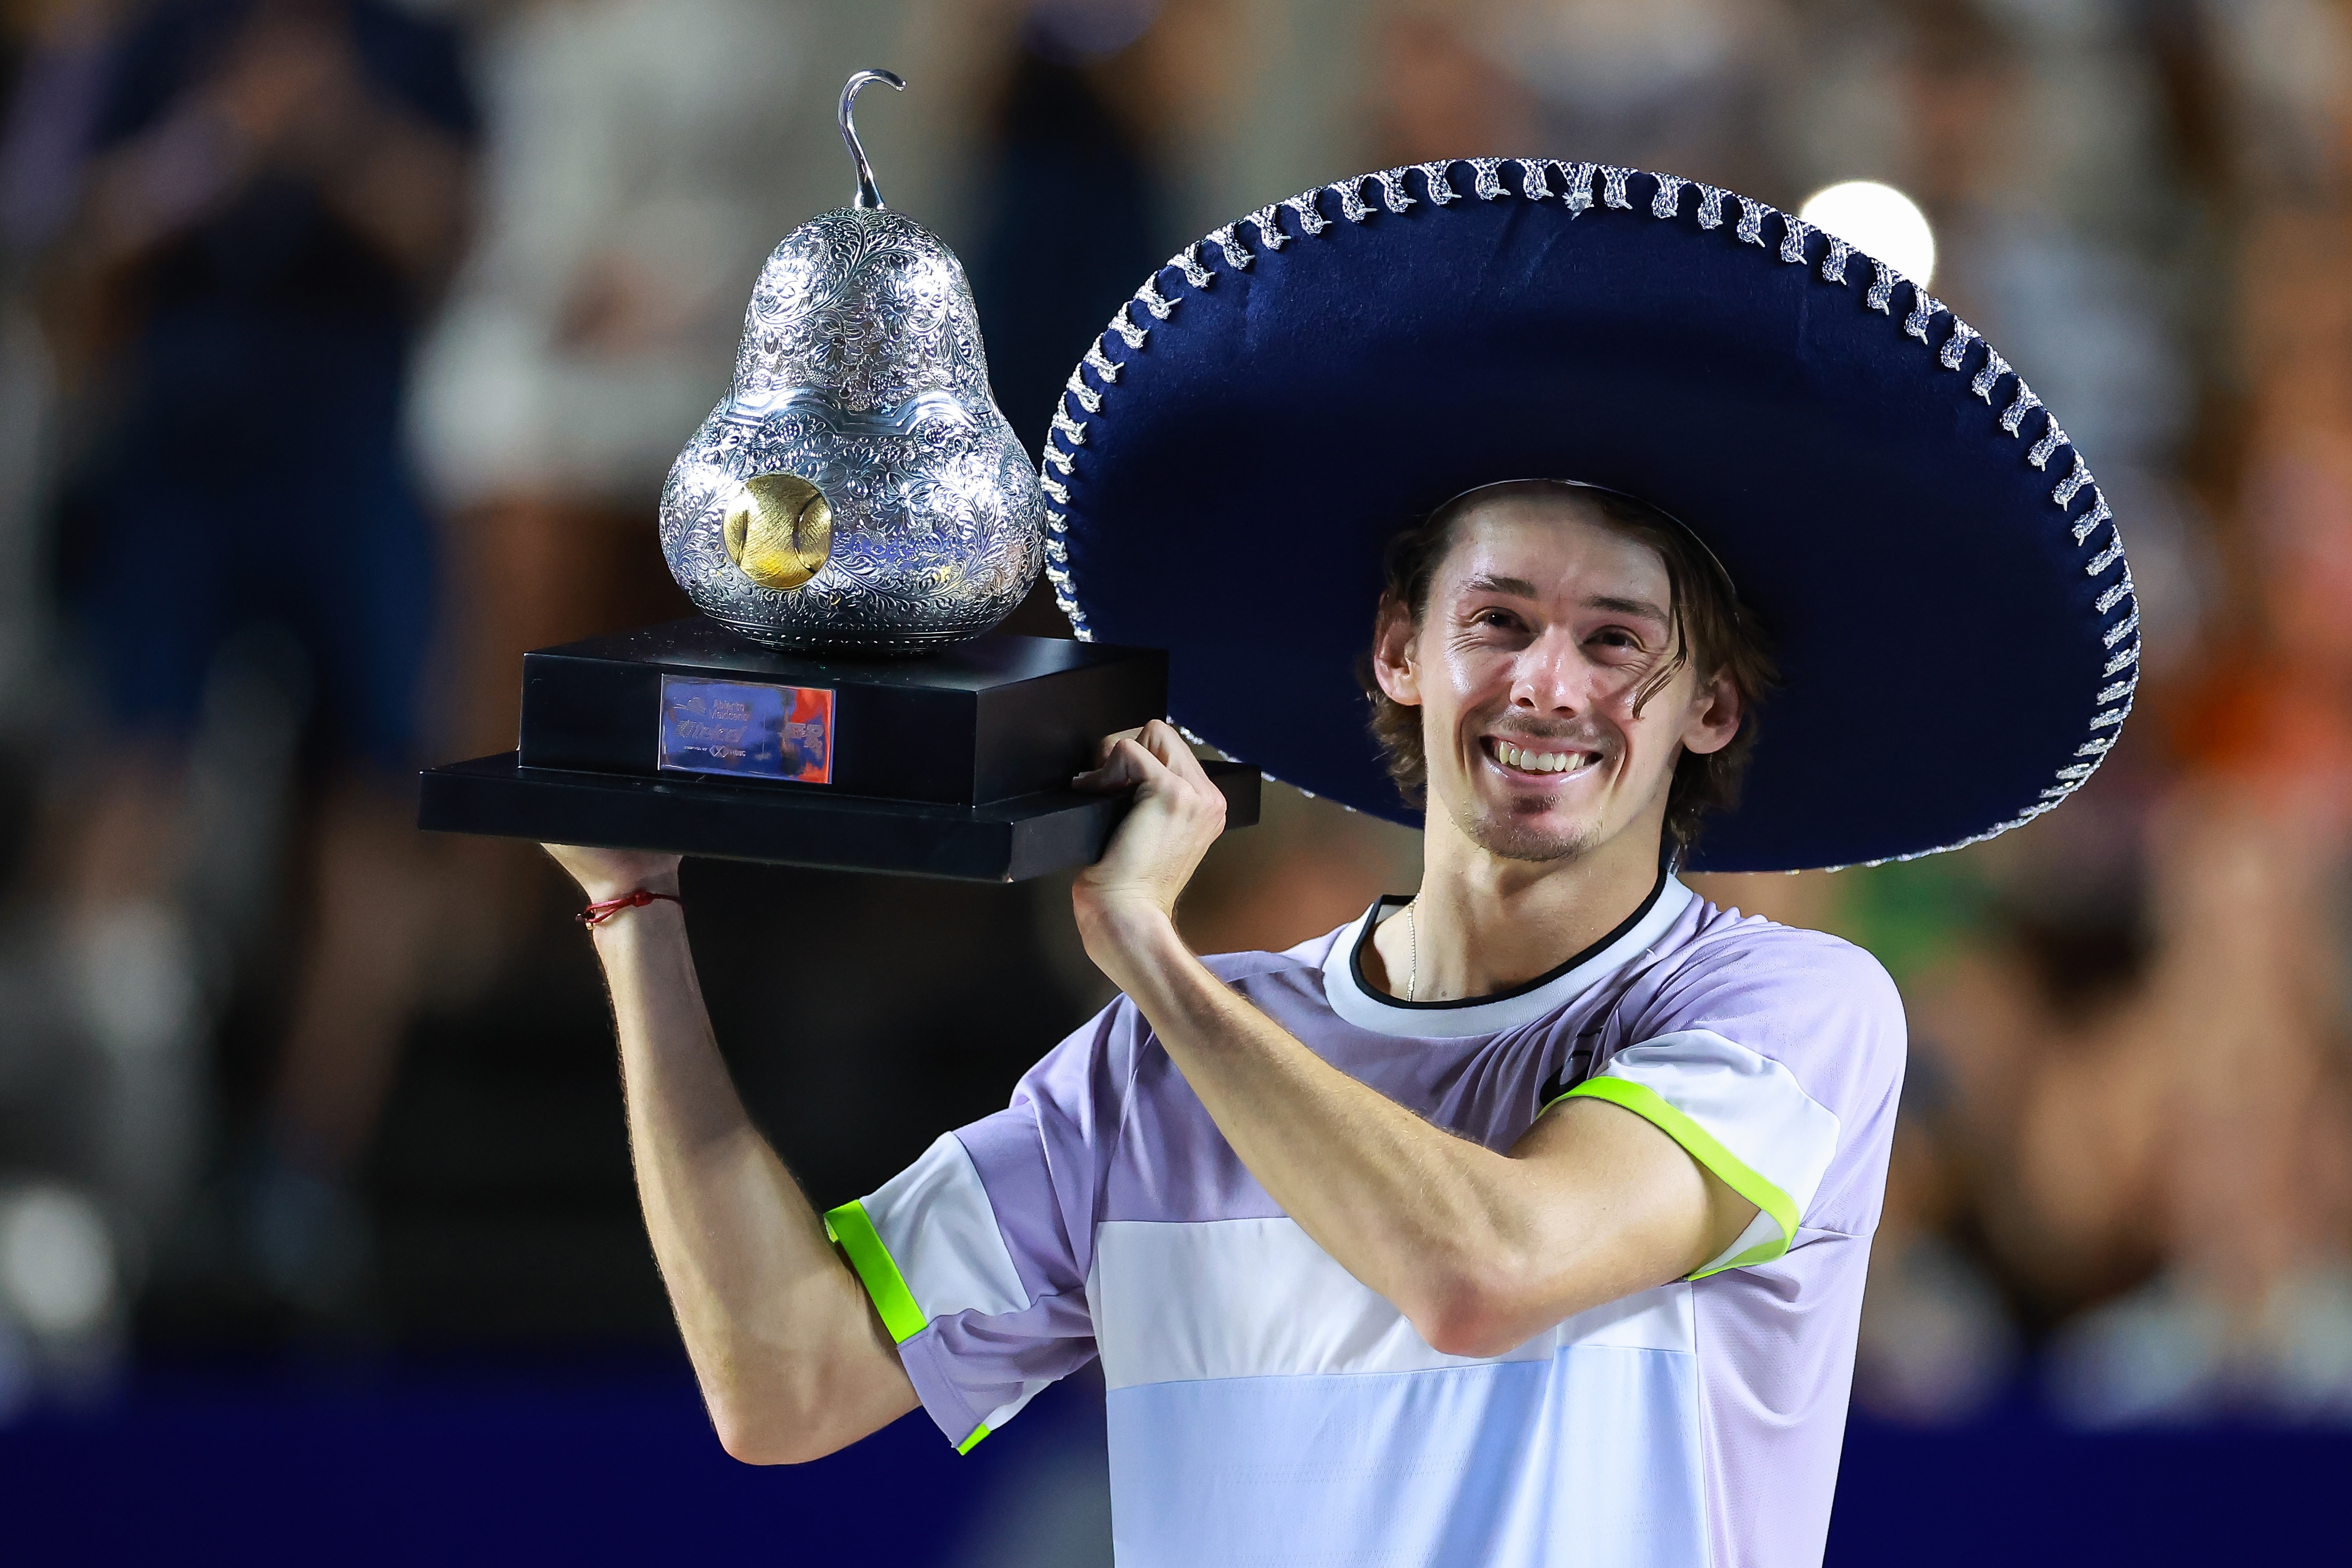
point(869, 199)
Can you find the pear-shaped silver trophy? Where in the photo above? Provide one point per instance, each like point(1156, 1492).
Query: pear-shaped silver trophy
point(857, 490)
point(857, 498)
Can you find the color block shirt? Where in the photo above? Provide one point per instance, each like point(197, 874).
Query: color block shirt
point(1266, 1407)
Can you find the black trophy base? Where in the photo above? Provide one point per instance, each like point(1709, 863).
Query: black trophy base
point(683, 738)
point(1003, 841)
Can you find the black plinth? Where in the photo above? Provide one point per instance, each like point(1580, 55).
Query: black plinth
point(683, 738)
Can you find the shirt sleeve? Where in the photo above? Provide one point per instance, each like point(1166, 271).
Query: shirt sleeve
point(976, 1255)
point(1771, 1062)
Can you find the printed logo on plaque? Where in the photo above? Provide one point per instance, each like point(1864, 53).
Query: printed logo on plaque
point(739, 727)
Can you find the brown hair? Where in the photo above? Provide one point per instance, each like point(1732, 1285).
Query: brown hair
point(1712, 632)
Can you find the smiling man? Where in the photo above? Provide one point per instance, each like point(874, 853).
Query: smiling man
point(1524, 1221)
point(1436, 1239)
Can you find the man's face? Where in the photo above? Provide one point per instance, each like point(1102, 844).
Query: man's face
point(1543, 625)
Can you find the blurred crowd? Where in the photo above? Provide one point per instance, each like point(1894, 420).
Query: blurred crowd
point(344, 345)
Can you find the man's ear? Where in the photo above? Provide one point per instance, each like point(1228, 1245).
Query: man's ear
point(1393, 664)
point(1715, 715)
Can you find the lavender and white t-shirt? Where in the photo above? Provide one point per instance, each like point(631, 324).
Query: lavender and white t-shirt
point(1266, 1409)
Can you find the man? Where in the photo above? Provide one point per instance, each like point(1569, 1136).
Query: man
point(1362, 1161)
point(1524, 1221)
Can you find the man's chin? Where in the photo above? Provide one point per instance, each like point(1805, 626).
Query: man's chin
point(1537, 838)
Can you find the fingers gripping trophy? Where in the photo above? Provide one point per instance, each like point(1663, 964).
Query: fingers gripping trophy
point(1602, 525)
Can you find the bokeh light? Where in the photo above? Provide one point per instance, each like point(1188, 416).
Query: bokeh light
point(1879, 221)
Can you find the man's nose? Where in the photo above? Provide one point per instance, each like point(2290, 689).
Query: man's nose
point(1551, 676)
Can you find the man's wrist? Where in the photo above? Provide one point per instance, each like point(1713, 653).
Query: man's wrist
point(604, 890)
point(1122, 933)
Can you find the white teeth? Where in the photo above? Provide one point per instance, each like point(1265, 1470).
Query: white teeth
point(1512, 756)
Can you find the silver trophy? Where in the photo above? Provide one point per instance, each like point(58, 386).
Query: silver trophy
point(858, 494)
point(858, 490)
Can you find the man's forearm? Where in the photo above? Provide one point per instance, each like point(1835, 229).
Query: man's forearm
point(790, 1357)
point(1480, 1249)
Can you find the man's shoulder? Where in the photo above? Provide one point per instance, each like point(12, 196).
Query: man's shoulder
point(1307, 959)
point(1749, 949)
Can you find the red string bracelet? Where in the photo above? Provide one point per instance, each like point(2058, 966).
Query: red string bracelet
point(598, 913)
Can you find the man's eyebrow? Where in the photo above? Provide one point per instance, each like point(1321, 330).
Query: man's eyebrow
point(1625, 607)
point(1482, 584)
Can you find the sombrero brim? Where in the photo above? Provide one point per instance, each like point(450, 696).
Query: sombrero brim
point(1953, 616)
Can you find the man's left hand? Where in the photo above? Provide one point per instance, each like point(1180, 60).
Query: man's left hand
point(1178, 815)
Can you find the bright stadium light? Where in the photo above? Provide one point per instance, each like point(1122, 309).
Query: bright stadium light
point(1879, 221)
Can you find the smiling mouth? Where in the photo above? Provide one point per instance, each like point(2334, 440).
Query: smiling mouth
point(1535, 764)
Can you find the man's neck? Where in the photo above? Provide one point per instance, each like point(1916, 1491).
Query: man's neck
point(1482, 924)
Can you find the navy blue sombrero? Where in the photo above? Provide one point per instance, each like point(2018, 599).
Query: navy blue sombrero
point(1953, 613)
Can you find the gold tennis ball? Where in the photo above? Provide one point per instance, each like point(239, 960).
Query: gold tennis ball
point(778, 529)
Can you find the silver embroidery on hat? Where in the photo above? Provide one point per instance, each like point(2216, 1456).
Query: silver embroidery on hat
point(1311, 221)
point(1071, 430)
point(1188, 259)
point(2115, 596)
point(1710, 207)
point(1237, 255)
point(1924, 307)
point(1989, 374)
point(1612, 188)
point(2052, 439)
point(2105, 559)
point(1792, 242)
point(1434, 180)
point(1575, 184)
point(1883, 280)
point(2063, 493)
point(1532, 183)
point(1056, 458)
point(1130, 333)
point(1269, 230)
point(1101, 363)
point(2122, 628)
point(1088, 398)
point(1751, 220)
point(1956, 347)
point(1152, 299)
point(2123, 660)
point(1486, 181)
point(1393, 194)
point(1834, 259)
point(2121, 688)
point(2093, 518)
point(1668, 201)
point(1350, 193)
point(2012, 417)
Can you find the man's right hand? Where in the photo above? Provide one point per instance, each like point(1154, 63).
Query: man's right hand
point(615, 873)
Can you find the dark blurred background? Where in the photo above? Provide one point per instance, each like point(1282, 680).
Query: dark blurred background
point(343, 346)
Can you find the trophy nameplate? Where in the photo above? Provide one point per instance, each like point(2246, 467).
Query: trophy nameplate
point(955, 765)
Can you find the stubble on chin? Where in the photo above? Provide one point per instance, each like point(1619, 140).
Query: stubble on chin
point(1508, 837)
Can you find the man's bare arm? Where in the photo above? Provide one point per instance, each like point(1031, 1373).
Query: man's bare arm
point(1481, 1250)
point(793, 1359)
